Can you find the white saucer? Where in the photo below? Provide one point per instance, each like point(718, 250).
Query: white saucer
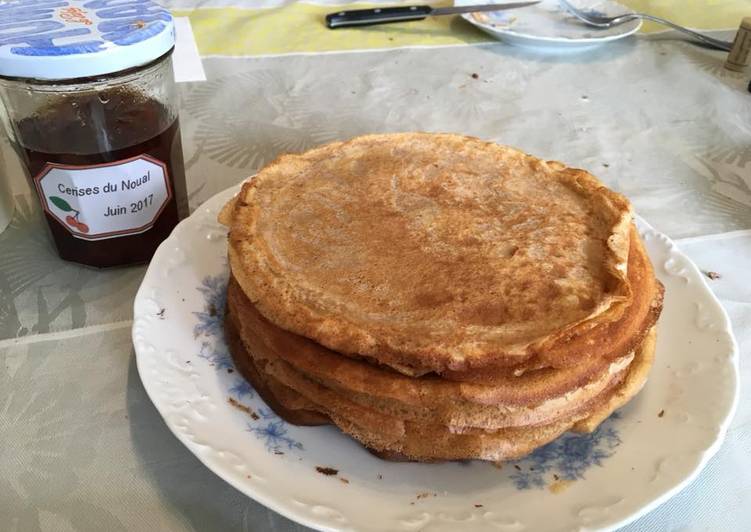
point(549, 25)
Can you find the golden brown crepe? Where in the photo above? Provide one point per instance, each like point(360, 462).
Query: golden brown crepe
point(430, 252)
point(428, 398)
point(303, 401)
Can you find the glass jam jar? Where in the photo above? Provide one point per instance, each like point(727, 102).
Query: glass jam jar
point(90, 106)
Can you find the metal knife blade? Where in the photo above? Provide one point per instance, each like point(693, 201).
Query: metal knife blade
point(456, 10)
point(383, 15)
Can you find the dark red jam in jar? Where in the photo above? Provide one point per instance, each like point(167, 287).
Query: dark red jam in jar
point(98, 129)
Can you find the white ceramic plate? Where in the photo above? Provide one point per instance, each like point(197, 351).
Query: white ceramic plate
point(549, 25)
point(637, 459)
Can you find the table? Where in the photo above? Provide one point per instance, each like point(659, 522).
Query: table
point(655, 118)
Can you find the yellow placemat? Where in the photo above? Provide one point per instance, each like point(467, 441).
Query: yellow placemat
point(299, 27)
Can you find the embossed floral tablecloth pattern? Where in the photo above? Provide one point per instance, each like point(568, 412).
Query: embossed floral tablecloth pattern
point(655, 118)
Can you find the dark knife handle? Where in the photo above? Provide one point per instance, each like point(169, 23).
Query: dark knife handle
point(379, 15)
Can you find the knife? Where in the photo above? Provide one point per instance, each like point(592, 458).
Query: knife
point(384, 15)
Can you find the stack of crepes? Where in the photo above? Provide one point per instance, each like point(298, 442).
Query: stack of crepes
point(438, 297)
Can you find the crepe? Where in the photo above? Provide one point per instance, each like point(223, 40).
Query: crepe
point(533, 399)
point(403, 439)
point(432, 396)
point(430, 252)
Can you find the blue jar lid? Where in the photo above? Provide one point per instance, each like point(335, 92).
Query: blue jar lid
point(68, 39)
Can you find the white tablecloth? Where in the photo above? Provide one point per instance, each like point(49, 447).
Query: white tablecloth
point(82, 448)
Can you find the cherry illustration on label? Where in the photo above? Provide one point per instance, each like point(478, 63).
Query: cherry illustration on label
point(72, 221)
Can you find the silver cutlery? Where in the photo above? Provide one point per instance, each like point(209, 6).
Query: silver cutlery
point(599, 21)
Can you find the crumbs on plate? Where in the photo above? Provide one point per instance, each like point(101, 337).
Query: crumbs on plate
point(237, 404)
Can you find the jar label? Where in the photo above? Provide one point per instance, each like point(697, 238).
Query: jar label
point(105, 200)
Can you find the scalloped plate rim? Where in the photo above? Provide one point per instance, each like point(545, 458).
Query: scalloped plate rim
point(712, 450)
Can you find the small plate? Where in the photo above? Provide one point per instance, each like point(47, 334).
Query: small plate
point(549, 25)
point(319, 477)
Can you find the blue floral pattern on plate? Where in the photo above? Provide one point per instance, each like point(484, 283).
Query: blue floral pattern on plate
point(274, 435)
point(567, 457)
point(266, 425)
point(210, 319)
point(242, 389)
